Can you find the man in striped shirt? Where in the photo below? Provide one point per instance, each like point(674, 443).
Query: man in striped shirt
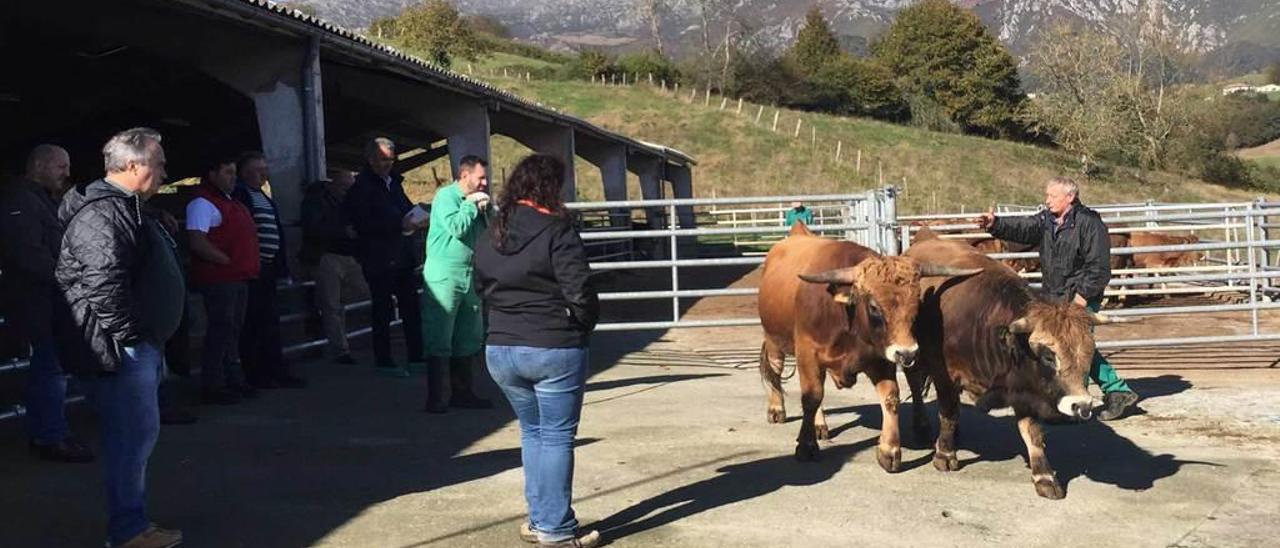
point(260, 352)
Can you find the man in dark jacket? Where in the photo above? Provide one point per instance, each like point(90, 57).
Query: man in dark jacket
point(261, 353)
point(1075, 260)
point(378, 206)
point(118, 270)
point(32, 235)
point(328, 248)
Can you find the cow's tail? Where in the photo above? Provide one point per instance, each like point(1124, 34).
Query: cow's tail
point(767, 370)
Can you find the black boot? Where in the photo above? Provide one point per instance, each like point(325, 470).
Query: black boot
point(437, 373)
point(463, 396)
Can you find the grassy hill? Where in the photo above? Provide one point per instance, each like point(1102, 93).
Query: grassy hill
point(739, 156)
point(1267, 155)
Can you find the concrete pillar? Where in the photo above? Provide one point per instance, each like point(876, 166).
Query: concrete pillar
point(681, 178)
point(612, 161)
point(283, 80)
point(313, 113)
point(650, 172)
point(551, 140)
point(280, 121)
point(466, 128)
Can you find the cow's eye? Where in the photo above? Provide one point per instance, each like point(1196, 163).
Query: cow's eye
point(1048, 358)
point(874, 312)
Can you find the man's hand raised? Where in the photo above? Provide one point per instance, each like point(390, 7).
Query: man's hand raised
point(987, 219)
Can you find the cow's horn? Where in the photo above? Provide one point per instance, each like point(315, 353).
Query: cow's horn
point(837, 276)
point(1103, 319)
point(930, 269)
point(1020, 325)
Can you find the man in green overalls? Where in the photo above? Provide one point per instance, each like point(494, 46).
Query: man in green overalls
point(453, 329)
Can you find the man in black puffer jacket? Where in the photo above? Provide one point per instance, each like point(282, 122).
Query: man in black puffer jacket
point(118, 271)
point(1075, 257)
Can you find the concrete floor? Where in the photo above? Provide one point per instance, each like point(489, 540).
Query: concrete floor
point(678, 455)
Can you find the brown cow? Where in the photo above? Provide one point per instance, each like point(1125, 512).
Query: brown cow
point(1166, 259)
point(994, 245)
point(991, 336)
point(838, 307)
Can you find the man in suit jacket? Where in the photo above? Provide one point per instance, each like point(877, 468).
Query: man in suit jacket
point(377, 206)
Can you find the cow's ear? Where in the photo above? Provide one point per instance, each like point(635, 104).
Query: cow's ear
point(846, 298)
point(1021, 325)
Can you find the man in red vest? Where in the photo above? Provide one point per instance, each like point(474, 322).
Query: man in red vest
point(224, 257)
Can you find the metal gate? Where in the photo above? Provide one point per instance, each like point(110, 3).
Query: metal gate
point(866, 218)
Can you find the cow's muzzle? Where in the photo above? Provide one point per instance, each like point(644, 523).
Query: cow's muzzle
point(1080, 407)
point(904, 357)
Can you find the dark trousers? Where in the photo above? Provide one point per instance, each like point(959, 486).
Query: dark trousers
point(403, 283)
point(260, 351)
point(224, 306)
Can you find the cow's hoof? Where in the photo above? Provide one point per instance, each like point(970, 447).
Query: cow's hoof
point(946, 462)
point(891, 461)
point(822, 432)
point(1050, 489)
point(776, 416)
point(807, 452)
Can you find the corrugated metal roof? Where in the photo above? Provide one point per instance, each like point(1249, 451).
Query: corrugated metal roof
point(431, 70)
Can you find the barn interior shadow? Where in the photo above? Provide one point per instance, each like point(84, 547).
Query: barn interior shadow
point(733, 483)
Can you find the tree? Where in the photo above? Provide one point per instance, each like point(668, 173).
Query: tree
point(648, 62)
point(862, 87)
point(651, 11)
point(1272, 73)
point(488, 24)
point(815, 44)
point(592, 63)
point(1109, 96)
point(943, 53)
point(435, 28)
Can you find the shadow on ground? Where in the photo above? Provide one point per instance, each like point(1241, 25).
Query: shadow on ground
point(292, 466)
point(735, 483)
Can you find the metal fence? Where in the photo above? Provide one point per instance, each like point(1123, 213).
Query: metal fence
point(1240, 253)
point(866, 218)
point(1237, 254)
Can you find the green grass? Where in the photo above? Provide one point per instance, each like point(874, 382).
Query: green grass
point(738, 156)
point(499, 60)
point(1268, 161)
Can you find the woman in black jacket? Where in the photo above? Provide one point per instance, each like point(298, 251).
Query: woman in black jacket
point(532, 273)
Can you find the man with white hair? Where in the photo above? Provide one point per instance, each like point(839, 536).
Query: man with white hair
point(378, 209)
point(32, 235)
point(1075, 259)
point(118, 270)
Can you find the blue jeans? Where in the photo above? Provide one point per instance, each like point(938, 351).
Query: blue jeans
point(127, 404)
point(46, 390)
point(544, 386)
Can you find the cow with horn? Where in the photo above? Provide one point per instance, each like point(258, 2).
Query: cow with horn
point(839, 308)
point(992, 336)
